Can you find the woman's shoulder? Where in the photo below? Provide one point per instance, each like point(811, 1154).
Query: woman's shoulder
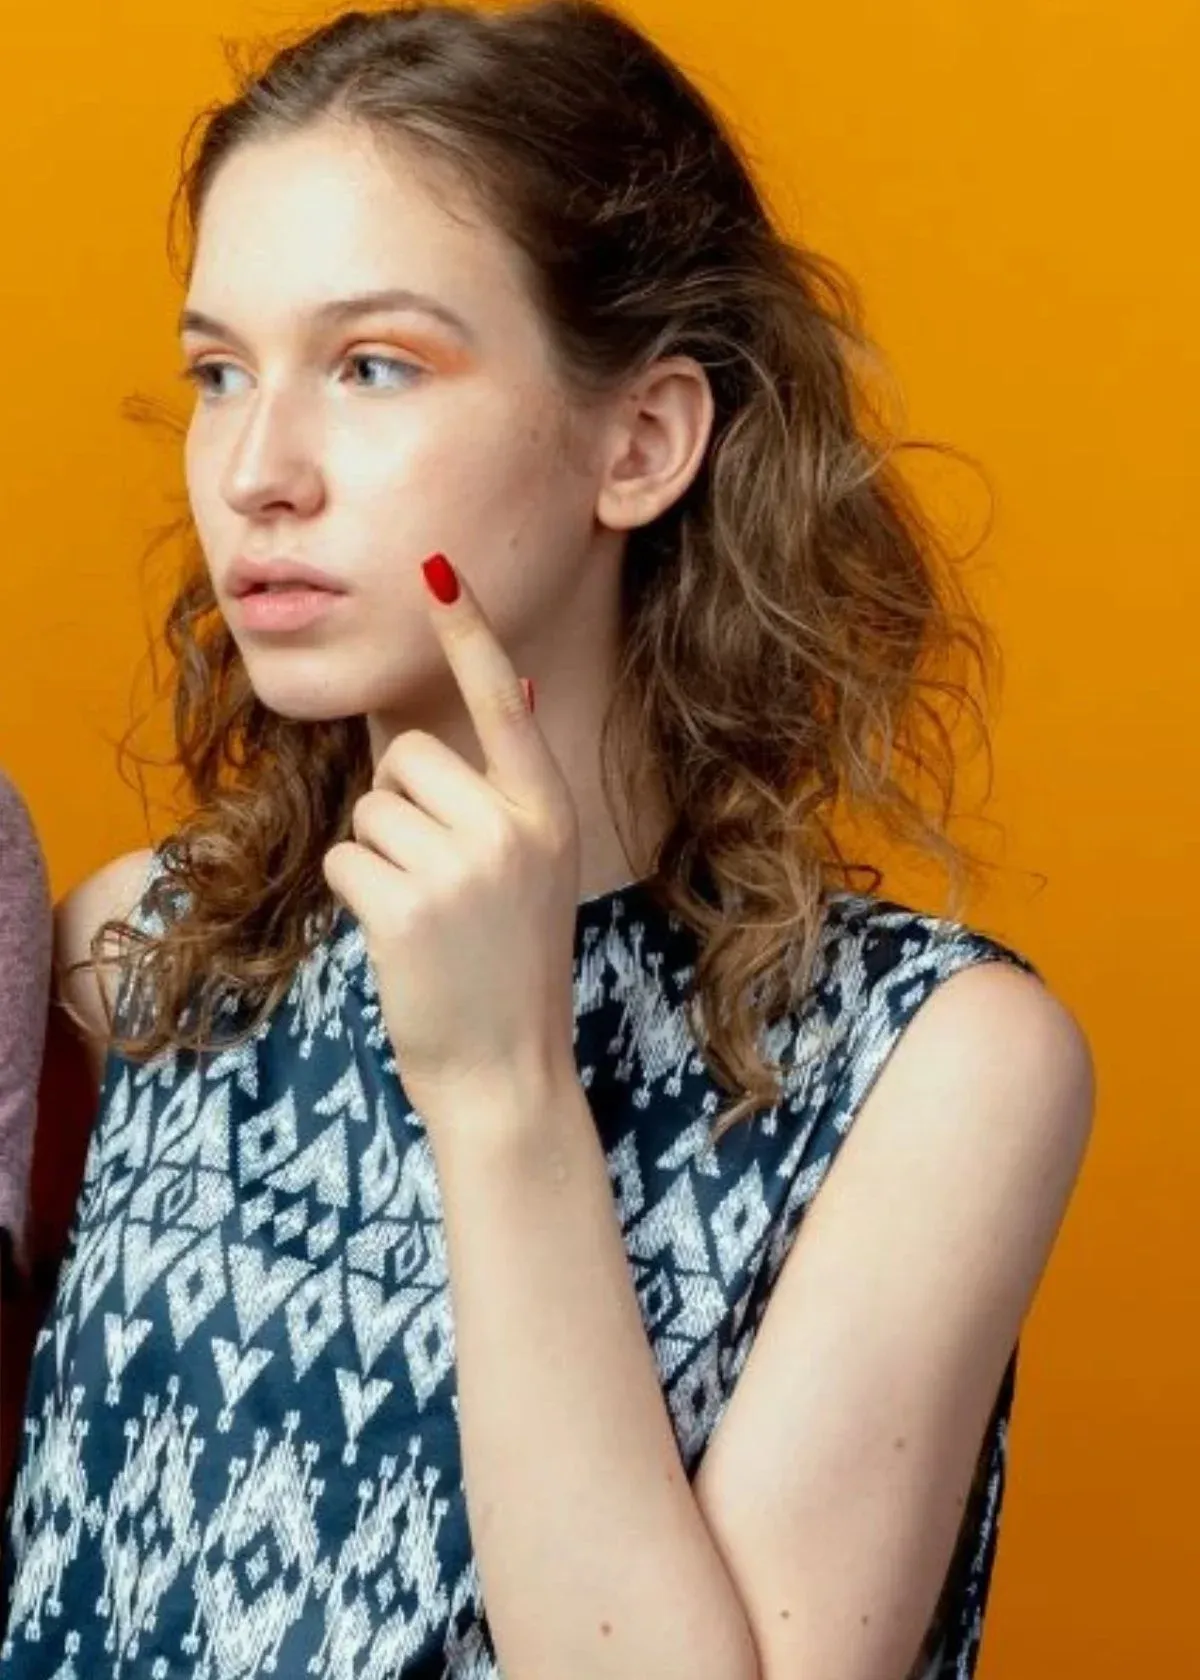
point(115, 889)
point(882, 963)
point(879, 961)
point(111, 892)
point(875, 937)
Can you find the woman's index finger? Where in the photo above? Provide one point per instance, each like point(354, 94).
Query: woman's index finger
point(513, 747)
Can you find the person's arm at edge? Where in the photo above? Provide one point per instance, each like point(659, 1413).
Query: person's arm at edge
point(51, 1069)
point(24, 998)
point(25, 941)
point(73, 1063)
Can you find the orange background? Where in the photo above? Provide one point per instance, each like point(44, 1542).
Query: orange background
point(1013, 183)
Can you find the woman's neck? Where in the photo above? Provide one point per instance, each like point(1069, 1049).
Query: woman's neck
point(604, 863)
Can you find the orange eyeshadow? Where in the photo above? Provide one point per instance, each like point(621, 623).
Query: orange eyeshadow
point(441, 356)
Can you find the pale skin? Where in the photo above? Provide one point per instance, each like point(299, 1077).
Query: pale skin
point(813, 1541)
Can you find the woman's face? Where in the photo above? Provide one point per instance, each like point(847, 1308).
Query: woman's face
point(374, 385)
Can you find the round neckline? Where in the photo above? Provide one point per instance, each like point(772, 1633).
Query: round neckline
point(622, 889)
point(599, 909)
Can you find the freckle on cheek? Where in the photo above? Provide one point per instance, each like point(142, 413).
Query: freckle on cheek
point(606, 1628)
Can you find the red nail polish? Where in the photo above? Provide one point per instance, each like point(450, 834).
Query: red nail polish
point(440, 576)
point(527, 685)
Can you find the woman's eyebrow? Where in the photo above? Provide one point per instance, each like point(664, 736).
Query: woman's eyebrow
point(339, 310)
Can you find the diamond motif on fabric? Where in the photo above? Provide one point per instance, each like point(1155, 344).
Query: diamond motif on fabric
point(740, 1222)
point(195, 1286)
point(256, 1560)
point(47, 1519)
point(656, 1294)
point(266, 1140)
point(388, 1593)
point(313, 1315)
point(429, 1345)
point(672, 1226)
point(696, 1399)
point(149, 1524)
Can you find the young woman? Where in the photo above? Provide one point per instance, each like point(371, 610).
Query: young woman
point(537, 1221)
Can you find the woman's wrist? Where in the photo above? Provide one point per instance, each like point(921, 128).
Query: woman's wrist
point(525, 1121)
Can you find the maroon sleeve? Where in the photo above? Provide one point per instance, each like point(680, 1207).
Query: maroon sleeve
point(25, 947)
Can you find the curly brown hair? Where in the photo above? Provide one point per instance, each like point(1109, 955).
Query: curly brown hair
point(796, 642)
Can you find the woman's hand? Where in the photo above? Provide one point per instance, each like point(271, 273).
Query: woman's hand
point(466, 885)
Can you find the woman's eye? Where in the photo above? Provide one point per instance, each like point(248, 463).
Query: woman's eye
point(213, 379)
point(381, 373)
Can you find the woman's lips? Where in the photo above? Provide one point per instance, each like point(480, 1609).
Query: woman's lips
point(279, 611)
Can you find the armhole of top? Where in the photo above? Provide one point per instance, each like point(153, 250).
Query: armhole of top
point(60, 1252)
point(883, 1005)
point(145, 921)
point(930, 952)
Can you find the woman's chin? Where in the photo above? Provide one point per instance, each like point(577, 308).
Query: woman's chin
point(309, 702)
point(321, 684)
point(327, 699)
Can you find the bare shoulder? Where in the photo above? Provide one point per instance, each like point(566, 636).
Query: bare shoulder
point(997, 1032)
point(111, 891)
point(984, 1111)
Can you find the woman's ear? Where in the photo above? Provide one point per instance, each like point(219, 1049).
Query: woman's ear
point(658, 438)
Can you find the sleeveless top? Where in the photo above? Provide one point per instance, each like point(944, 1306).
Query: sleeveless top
point(240, 1452)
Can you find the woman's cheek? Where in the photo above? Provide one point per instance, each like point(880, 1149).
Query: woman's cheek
point(464, 471)
point(445, 486)
point(202, 480)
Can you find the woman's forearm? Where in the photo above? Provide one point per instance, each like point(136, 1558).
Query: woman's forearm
point(595, 1559)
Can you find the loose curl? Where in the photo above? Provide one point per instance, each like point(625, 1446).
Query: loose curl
point(792, 631)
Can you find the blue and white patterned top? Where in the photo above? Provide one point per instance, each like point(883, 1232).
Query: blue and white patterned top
point(240, 1451)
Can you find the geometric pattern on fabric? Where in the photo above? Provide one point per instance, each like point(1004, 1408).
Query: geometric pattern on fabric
point(240, 1451)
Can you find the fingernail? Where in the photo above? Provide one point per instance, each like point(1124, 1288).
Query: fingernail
point(440, 576)
point(527, 685)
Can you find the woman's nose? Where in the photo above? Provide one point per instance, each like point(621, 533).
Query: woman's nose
point(274, 465)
